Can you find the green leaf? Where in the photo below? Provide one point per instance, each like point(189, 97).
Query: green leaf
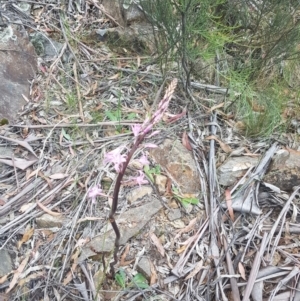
point(131, 116)
point(193, 201)
point(67, 136)
point(157, 169)
point(148, 172)
point(186, 201)
point(113, 115)
point(121, 278)
point(140, 281)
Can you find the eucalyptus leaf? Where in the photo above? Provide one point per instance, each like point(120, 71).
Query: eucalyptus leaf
point(120, 277)
point(140, 281)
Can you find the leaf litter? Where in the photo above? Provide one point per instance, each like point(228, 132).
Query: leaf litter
point(227, 242)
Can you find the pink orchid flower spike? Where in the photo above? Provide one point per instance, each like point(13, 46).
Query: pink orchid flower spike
point(136, 129)
point(144, 160)
point(94, 192)
point(140, 180)
point(116, 158)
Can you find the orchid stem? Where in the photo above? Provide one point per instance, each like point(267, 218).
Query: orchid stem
point(114, 206)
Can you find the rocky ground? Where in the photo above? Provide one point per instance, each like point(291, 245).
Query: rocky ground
point(217, 215)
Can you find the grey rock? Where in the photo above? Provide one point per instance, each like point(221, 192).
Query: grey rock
point(45, 47)
point(285, 170)
point(174, 214)
point(161, 182)
point(18, 66)
point(6, 263)
point(49, 221)
point(129, 223)
point(234, 168)
point(114, 9)
point(138, 193)
point(133, 14)
point(144, 267)
point(137, 37)
point(178, 162)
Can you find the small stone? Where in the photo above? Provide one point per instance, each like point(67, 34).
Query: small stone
point(17, 68)
point(178, 224)
point(173, 204)
point(188, 208)
point(6, 265)
point(138, 193)
point(285, 170)
point(174, 214)
point(161, 182)
point(234, 168)
point(144, 267)
point(49, 221)
point(134, 14)
point(179, 164)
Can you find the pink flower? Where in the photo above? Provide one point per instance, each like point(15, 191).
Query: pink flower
point(146, 121)
point(157, 118)
point(116, 158)
point(174, 118)
point(94, 192)
point(136, 128)
point(163, 106)
point(148, 128)
point(150, 145)
point(153, 134)
point(140, 179)
point(143, 160)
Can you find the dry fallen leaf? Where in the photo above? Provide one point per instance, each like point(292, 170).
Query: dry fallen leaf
point(71, 273)
point(229, 203)
point(188, 228)
point(114, 76)
point(22, 143)
point(25, 207)
point(122, 260)
point(18, 272)
point(26, 236)
point(58, 176)
point(186, 142)
point(158, 244)
point(195, 271)
point(46, 179)
point(31, 277)
point(4, 278)
point(48, 210)
point(153, 278)
point(242, 271)
point(17, 162)
point(33, 173)
point(218, 106)
point(226, 148)
point(90, 140)
point(181, 249)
